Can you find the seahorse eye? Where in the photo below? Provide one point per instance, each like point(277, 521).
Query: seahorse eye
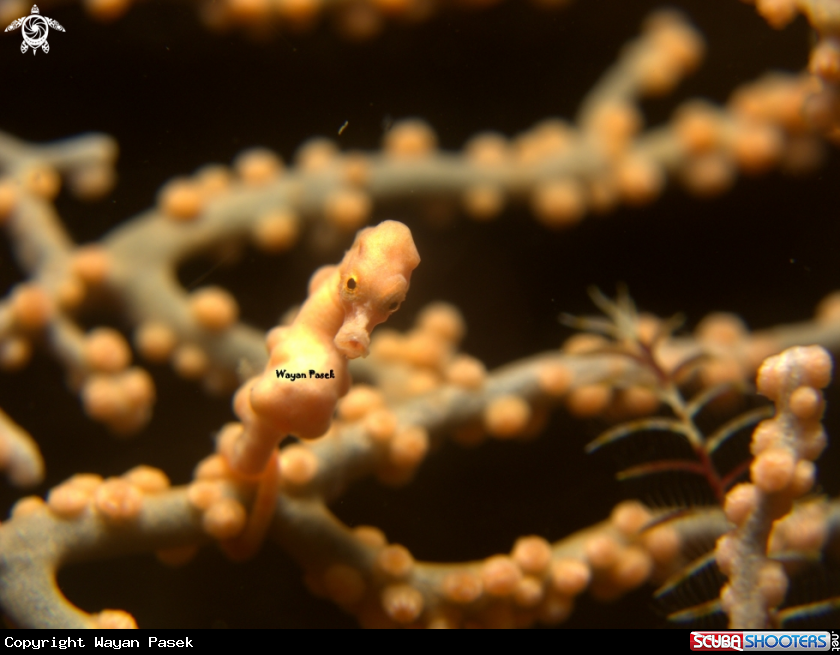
point(351, 283)
point(393, 306)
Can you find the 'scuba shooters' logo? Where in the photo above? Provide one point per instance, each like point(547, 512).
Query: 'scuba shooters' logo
point(781, 641)
point(35, 29)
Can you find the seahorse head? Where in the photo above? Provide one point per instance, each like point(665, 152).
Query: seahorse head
point(374, 278)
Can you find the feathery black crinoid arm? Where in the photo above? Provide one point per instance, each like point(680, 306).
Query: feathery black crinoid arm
point(55, 24)
point(16, 23)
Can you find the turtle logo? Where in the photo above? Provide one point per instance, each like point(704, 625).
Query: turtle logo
point(35, 30)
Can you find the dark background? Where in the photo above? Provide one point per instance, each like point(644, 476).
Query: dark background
point(177, 96)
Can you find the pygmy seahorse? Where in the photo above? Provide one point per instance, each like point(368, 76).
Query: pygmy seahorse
point(345, 303)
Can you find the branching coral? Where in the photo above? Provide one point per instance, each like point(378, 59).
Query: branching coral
point(782, 471)
point(532, 537)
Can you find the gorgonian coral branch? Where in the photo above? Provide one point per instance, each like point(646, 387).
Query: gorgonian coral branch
point(564, 170)
point(785, 448)
point(380, 582)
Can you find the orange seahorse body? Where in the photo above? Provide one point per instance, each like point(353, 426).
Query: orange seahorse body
point(345, 303)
